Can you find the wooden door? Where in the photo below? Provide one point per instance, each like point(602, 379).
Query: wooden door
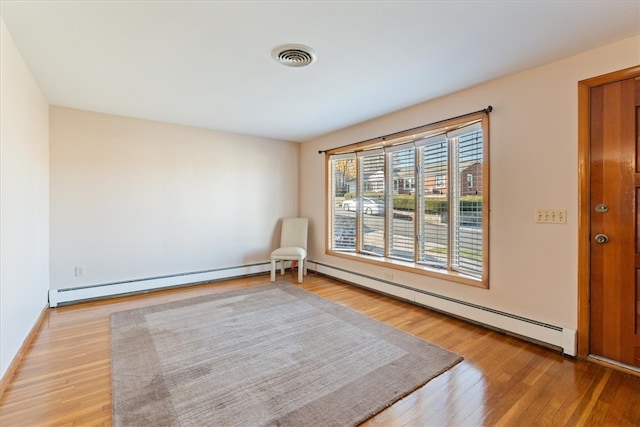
point(615, 221)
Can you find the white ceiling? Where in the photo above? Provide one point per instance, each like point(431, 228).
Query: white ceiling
point(208, 63)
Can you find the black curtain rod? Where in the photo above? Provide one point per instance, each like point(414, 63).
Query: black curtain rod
point(484, 110)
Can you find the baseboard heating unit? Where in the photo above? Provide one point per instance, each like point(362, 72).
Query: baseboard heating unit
point(561, 338)
point(105, 290)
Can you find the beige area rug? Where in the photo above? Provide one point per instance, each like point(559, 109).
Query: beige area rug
point(274, 355)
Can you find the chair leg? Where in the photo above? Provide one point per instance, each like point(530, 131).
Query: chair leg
point(282, 267)
point(300, 270)
point(273, 270)
point(305, 266)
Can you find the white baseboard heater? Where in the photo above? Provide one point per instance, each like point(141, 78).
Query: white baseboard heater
point(556, 336)
point(104, 290)
point(562, 338)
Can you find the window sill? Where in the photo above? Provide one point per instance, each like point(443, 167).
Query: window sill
point(411, 267)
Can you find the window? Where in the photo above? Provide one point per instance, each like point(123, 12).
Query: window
point(372, 226)
point(401, 230)
point(343, 224)
point(416, 201)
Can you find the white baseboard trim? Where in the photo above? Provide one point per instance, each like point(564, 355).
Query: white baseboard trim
point(105, 290)
point(562, 338)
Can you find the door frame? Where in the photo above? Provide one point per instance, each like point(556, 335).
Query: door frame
point(584, 202)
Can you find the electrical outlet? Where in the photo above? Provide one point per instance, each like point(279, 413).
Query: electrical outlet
point(551, 216)
point(80, 270)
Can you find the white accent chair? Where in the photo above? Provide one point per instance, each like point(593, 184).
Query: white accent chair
point(293, 246)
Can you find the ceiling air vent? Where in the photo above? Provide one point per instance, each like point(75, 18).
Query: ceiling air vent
point(294, 55)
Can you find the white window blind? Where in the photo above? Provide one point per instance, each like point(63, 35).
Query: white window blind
point(371, 199)
point(402, 174)
point(343, 181)
point(434, 230)
point(466, 236)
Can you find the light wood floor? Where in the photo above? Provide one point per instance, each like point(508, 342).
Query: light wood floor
point(64, 379)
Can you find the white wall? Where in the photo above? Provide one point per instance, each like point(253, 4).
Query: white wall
point(24, 200)
point(533, 155)
point(133, 199)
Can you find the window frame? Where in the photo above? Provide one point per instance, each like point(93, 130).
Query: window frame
point(401, 138)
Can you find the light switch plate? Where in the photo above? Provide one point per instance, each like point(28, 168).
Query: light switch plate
point(551, 216)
